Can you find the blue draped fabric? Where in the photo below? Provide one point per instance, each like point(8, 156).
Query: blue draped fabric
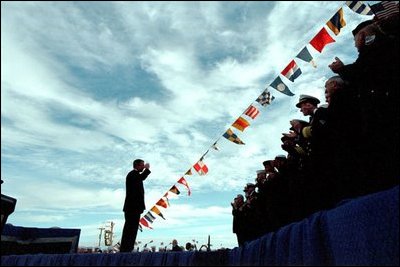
point(362, 231)
point(25, 233)
point(23, 240)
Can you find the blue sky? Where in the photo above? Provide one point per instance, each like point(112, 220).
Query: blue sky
point(87, 87)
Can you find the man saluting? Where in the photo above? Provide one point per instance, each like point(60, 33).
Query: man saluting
point(134, 203)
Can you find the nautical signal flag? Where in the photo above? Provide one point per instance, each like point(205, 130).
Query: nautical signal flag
point(385, 9)
point(305, 55)
point(359, 7)
point(166, 198)
point(149, 217)
point(174, 190)
point(241, 124)
point(252, 112)
point(292, 71)
point(281, 87)
point(161, 202)
point(321, 39)
point(265, 98)
point(184, 182)
point(337, 22)
point(200, 167)
point(144, 223)
point(189, 172)
point(157, 211)
point(232, 137)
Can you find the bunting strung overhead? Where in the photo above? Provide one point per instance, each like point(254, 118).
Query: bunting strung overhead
point(157, 211)
point(305, 55)
point(337, 22)
point(359, 7)
point(292, 71)
point(161, 202)
point(281, 87)
point(232, 137)
point(166, 198)
point(174, 190)
point(184, 182)
point(321, 39)
point(200, 167)
point(265, 98)
point(252, 112)
point(241, 124)
point(149, 217)
point(145, 223)
point(189, 172)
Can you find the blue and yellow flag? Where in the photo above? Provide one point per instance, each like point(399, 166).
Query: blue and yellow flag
point(232, 137)
point(337, 22)
point(157, 211)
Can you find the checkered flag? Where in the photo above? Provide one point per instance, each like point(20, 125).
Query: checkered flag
point(265, 98)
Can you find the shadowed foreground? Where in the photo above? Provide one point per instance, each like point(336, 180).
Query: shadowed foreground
point(362, 231)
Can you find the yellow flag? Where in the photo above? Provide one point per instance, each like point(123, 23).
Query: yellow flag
point(241, 124)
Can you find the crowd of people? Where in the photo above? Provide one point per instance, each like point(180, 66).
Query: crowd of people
point(348, 148)
point(173, 246)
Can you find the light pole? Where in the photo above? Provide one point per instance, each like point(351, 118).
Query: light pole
point(101, 232)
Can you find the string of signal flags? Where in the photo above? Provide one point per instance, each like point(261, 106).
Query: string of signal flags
point(291, 72)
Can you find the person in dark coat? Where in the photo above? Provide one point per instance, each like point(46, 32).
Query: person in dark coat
point(175, 246)
point(134, 204)
point(317, 180)
point(239, 220)
point(252, 212)
point(344, 144)
point(308, 105)
point(374, 79)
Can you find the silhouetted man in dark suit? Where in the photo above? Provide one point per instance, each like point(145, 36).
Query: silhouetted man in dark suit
point(134, 203)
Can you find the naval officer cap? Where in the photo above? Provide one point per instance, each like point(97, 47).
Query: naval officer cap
point(361, 26)
point(307, 98)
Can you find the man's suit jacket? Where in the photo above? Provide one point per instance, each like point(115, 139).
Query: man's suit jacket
point(134, 200)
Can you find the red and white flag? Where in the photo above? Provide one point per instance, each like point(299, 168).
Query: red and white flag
point(252, 112)
point(184, 182)
point(292, 71)
point(145, 223)
point(200, 167)
point(161, 202)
